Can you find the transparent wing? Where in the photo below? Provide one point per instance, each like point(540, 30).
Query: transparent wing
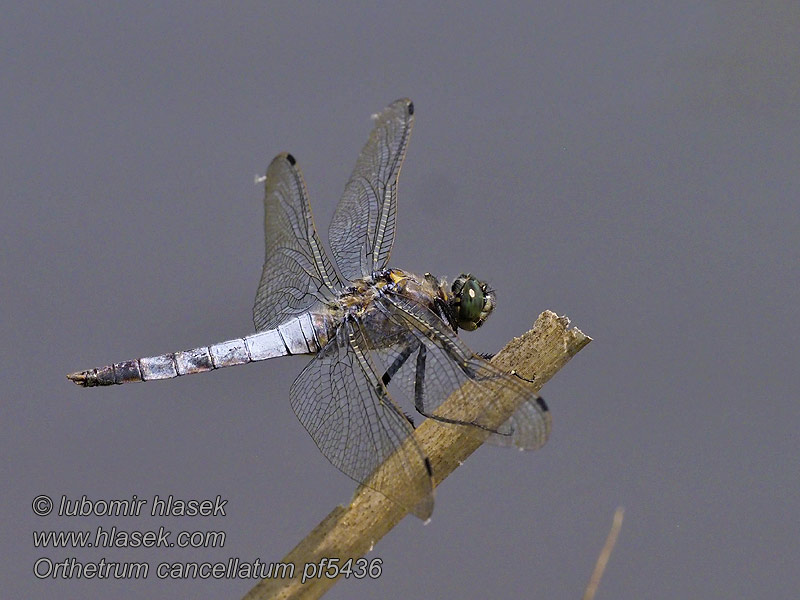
point(297, 272)
point(362, 230)
point(436, 365)
point(341, 401)
point(528, 428)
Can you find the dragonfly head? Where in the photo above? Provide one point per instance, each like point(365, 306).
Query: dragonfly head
point(472, 301)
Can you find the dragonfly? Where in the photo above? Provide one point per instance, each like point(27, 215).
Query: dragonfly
point(367, 325)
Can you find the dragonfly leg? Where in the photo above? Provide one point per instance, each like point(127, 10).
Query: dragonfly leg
point(397, 364)
point(446, 313)
point(491, 355)
point(394, 368)
point(531, 380)
point(419, 391)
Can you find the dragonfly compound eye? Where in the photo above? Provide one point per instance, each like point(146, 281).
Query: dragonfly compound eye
point(473, 302)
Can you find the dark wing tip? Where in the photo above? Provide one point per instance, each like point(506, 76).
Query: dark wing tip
point(291, 159)
point(404, 102)
point(542, 404)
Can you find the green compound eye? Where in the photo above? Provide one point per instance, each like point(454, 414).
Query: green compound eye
point(472, 302)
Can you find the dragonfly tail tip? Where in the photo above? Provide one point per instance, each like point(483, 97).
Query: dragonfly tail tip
point(79, 378)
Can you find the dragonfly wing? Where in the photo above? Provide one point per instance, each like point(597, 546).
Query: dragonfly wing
point(527, 429)
point(341, 401)
point(443, 366)
point(297, 271)
point(362, 230)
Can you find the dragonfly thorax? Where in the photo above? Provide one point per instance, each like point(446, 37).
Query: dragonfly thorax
point(466, 304)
